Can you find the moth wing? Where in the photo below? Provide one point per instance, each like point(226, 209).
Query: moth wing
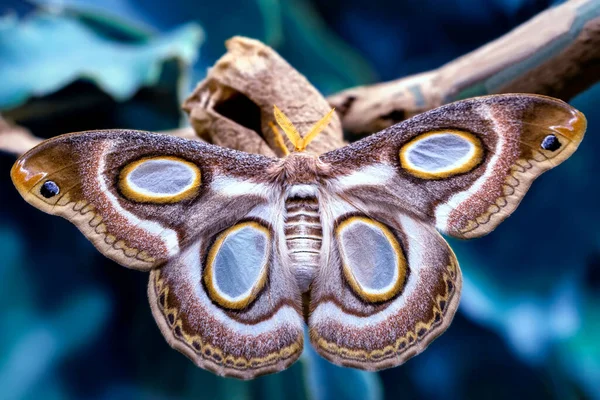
point(140, 197)
point(201, 218)
point(389, 285)
point(229, 302)
point(463, 167)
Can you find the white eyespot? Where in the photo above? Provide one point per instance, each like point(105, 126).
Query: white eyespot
point(237, 264)
point(373, 262)
point(441, 154)
point(160, 180)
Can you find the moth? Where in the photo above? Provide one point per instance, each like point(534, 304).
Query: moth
point(243, 250)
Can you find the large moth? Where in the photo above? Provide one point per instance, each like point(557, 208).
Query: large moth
point(244, 250)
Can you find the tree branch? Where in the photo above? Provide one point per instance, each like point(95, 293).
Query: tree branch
point(557, 53)
point(15, 139)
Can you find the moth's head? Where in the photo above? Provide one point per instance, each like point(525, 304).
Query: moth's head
point(300, 143)
point(42, 175)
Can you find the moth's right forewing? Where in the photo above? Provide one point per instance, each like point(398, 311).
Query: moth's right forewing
point(463, 167)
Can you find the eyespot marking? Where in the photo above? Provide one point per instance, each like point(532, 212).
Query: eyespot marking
point(551, 143)
point(160, 180)
point(49, 189)
point(441, 154)
point(237, 264)
point(372, 260)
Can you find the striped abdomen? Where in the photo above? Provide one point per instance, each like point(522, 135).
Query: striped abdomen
point(303, 234)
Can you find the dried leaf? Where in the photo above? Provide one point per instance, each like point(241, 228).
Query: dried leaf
point(233, 106)
point(185, 133)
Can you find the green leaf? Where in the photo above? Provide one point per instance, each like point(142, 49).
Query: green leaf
point(32, 64)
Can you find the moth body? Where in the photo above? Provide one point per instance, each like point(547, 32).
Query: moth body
point(303, 235)
point(299, 174)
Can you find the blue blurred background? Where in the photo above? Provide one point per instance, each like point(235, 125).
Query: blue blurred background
point(75, 325)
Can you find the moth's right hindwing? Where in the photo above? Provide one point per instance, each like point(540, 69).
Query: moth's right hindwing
point(389, 286)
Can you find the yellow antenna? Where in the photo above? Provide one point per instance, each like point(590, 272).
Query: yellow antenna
point(317, 128)
point(278, 139)
point(292, 134)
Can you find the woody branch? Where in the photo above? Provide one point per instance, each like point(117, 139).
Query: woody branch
point(557, 53)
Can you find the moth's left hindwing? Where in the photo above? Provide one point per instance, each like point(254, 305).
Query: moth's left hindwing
point(229, 303)
point(200, 217)
point(463, 167)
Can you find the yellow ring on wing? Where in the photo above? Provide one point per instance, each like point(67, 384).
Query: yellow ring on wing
point(401, 267)
point(136, 193)
point(464, 164)
point(247, 298)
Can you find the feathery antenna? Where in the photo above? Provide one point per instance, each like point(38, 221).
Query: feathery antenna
point(292, 134)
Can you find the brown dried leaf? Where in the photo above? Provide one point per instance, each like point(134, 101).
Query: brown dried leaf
point(233, 106)
point(186, 133)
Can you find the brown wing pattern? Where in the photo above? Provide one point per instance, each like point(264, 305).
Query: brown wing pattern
point(81, 178)
point(208, 222)
point(354, 324)
point(199, 217)
point(463, 167)
point(264, 335)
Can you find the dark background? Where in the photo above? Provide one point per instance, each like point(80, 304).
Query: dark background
point(75, 325)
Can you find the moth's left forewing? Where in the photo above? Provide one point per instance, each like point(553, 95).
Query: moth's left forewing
point(71, 176)
point(463, 167)
point(139, 197)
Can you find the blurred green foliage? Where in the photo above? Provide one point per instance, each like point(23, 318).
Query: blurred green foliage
point(46, 52)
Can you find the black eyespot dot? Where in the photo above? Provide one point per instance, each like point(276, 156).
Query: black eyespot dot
point(49, 189)
point(551, 143)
